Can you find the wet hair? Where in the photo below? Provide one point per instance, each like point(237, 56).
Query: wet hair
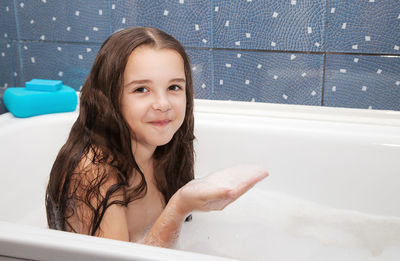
point(96, 162)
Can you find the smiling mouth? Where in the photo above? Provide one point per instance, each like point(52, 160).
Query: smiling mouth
point(161, 123)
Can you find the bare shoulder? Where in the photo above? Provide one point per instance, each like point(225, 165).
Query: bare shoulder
point(96, 191)
point(94, 168)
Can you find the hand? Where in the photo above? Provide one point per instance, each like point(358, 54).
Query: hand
point(219, 189)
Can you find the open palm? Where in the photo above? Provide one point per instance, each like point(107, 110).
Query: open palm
point(219, 189)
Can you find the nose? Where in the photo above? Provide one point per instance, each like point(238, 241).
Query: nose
point(161, 103)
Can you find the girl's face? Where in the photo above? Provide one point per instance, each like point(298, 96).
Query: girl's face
point(153, 101)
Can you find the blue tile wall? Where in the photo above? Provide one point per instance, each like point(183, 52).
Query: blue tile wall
point(188, 21)
point(202, 72)
point(292, 78)
point(364, 26)
point(70, 63)
point(71, 21)
point(8, 73)
point(269, 25)
point(360, 81)
point(313, 52)
point(8, 28)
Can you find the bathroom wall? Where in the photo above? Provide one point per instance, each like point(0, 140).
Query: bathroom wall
point(327, 53)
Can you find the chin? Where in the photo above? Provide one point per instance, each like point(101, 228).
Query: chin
point(162, 142)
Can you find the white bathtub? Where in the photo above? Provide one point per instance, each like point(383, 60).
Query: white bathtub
point(333, 191)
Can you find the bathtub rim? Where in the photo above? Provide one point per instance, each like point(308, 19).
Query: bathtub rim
point(30, 242)
point(299, 112)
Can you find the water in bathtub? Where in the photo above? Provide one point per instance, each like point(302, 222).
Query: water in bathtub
point(264, 225)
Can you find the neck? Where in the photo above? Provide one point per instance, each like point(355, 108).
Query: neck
point(143, 155)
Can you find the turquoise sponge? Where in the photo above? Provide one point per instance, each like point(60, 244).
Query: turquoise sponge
point(43, 85)
point(26, 102)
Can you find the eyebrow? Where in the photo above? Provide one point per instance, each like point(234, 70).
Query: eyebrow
point(181, 80)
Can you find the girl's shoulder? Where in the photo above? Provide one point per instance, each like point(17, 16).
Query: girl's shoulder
point(94, 165)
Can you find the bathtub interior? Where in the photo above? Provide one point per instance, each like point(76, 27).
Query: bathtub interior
point(329, 171)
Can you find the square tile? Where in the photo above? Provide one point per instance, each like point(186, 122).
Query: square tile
point(188, 21)
point(361, 81)
point(290, 78)
point(201, 61)
point(8, 28)
point(70, 63)
point(59, 20)
point(269, 25)
point(9, 63)
point(363, 26)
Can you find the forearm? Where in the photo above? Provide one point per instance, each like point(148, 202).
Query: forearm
point(167, 227)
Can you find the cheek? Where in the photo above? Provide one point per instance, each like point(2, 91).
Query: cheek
point(131, 111)
point(182, 108)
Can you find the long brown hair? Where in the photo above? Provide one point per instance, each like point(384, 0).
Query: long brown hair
point(101, 135)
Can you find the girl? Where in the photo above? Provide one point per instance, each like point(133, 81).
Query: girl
point(126, 170)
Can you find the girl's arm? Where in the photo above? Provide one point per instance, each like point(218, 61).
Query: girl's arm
point(213, 192)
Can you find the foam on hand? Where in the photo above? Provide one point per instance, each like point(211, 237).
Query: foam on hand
point(40, 97)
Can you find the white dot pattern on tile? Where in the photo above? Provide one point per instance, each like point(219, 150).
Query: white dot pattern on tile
point(355, 81)
point(272, 25)
point(369, 25)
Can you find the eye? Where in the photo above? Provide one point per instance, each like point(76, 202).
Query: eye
point(174, 88)
point(141, 90)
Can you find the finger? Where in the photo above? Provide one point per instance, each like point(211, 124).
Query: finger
point(248, 184)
